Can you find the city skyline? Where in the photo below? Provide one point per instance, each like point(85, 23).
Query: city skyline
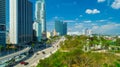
point(102, 15)
point(55, 33)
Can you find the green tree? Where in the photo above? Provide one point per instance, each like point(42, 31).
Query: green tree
point(1, 48)
point(118, 41)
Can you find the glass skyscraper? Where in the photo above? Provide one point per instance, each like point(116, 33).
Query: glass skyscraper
point(21, 20)
point(40, 15)
point(60, 27)
point(2, 22)
point(40, 22)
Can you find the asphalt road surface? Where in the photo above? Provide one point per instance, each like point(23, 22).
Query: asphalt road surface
point(34, 60)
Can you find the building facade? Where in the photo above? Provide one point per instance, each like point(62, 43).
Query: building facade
point(20, 21)
point(60, 27)
point(3, 22)
point(48, 35)
point(37, 24)
point(87, 32)
point(37, 35)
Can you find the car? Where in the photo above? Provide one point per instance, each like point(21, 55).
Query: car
point(25, 63)
point(37, 53)
point(43, 52)
point(22, 62)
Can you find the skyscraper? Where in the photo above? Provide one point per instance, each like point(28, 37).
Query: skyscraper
point(40, 15)
point(20, 21)
point(2, 22)
point(40, 22)
point(61, 27)
point(37, 24)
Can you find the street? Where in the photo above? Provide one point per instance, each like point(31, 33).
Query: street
point(34, 60)
point(14, 54)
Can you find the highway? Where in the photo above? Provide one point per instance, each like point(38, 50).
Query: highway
point(34, 60)
point(14, 54)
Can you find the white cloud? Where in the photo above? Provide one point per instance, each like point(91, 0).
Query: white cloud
point(116, 4)
point(90, 11)
point(87, 21)
point(79, 26)
point(109, 28)
point(76, 19)
point(81, 15)
point(95, 11)
point(99, 1)
point(103, 20)
point(57, 18)
point(69, 21)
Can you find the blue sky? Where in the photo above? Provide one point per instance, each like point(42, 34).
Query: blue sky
point(101, 16)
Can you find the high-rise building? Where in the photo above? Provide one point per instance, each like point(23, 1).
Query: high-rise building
point(40, 18)
point(37, 24)
point(3, 22)
point(61, 27)
point(43, 19)
point(48, 34)
point(20, 21)
point(64, 28)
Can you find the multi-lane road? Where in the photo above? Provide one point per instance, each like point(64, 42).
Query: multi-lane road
point(34, 60)
point(14, 54)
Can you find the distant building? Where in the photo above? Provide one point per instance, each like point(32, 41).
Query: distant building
point(55, 33)
point(48, 34)
point(87, 32)
point(61, 27)
point(64, 28)
point(3, 22)
point(20, 21)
